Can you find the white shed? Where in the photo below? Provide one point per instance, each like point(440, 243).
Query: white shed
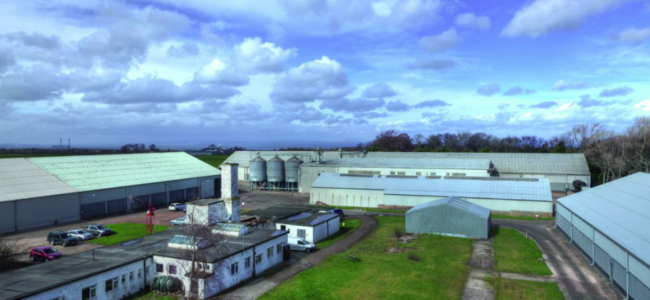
point(313, 227)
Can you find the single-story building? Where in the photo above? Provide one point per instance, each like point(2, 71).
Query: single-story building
point(311, 226)
point(451, 217)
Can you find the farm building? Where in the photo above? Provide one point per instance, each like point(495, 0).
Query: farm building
point(560, 169)
point(451, 217)
point(313, 227)
point(609, 224)
point(503, 195)
point(267, 217)
point(45, 191)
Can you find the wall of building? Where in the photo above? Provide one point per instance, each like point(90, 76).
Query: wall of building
point(559, 183)
point(293, 230)
point(124, 289)
point(447, 220)
point(334, 226)
point(613, 260)
point(47, 211)
point(347, 197)
point(7, 216)
point(309, 174)
point(415, 171)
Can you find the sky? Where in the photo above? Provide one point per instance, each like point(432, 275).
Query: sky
point(286, 71)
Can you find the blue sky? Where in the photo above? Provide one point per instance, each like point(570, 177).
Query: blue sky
point(318, 70)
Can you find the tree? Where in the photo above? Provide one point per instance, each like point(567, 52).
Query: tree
point(10, 251)
point(419, 142)
point(392, 140)
point(153, 148)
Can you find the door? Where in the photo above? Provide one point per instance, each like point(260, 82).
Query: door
point(301, 233)
point(283, 227)
point(217, 188)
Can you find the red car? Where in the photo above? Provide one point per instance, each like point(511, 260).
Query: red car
point(44, 254)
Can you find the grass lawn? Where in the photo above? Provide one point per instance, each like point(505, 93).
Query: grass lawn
point(514, 253)
point(213, 160)
point(347, 228)
point(125, 232)
point(509, 289)
point(441, 272)
point(497, 216)
point(151, 295)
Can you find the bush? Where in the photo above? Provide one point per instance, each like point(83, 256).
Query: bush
point(414, 257)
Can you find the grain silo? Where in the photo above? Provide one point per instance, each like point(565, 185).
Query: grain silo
point(257, 172)
point(275, 173)
point(292, 173)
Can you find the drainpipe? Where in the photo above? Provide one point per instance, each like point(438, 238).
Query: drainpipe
point(627, 277)
point(144, 272)
point(593, 247)
point(571, 229)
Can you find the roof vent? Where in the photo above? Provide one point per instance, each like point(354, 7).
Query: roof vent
point(230, 229)
point(187, 243)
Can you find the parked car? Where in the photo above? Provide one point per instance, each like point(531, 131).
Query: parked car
point(179, 222)
point(44, 254)
point(59, 237)
point(177, 207)
point(81, 234)
point(337, 211)
point(301, 244)
point(98, 230)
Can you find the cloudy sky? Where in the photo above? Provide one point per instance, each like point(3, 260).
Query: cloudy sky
point(190, 71)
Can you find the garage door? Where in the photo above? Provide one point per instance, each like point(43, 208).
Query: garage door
point(93, 210)
point(115, 206)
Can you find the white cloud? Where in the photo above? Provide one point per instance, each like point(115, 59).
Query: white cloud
point(441, 42)
point(564, 85)
point(255, 56)
point(545, 16)
point(217, 72)
point(469, 20)
point(643, 105)
point(379, 90)
point(634, 36)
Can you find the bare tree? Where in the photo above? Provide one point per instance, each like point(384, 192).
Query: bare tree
point(10, 251)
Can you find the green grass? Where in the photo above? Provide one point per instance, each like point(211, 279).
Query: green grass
point(151, 295)
point(515, 254)
point(509, 289)
point(347, 228)
point(213, 160)
point(125, 232)
point(368, 209)
point(497, 216)
point(441, 272)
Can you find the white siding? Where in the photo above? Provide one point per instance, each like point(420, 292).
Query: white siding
point(585, 228)
point(335, 225)
point(640, 271)
point(73, 290)
point(610, 248)
point(293, 230)
point(320, 233)
point(275, 259)
point(564, 212)
point(416, 172)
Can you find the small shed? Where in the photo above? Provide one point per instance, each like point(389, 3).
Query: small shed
point(451, 217)
point(313, 227)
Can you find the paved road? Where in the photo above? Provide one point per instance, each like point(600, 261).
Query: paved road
point(575, 277)
point(257, 288)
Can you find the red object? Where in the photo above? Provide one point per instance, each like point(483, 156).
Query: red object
point(151, 216)
point(321, 203)
point(44, 254)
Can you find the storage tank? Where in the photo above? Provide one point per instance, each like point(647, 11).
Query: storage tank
point(257, 169)
point(291, 169)
point(275, 170)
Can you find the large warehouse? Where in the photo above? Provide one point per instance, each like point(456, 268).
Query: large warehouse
point(610, 224)
point(524, 196)
point(45, 191)
point(559, 168)
point(451, 217)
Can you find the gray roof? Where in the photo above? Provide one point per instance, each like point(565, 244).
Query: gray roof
point(405, 163)
point(539, 190)
point(20, 179)
point(619, 209)
point(472, 208)
point(307, 219)
point(513, 163)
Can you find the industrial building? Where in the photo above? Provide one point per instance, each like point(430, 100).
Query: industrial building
point(44, 191)
point(560, 169)
point(610, 225)
point(451, 217)
point(523, 196)
point(314, 227)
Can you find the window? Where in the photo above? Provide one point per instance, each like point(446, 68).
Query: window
point(258, 259)
point(172, 269)
point(89, 292)
point(392, 172)
point(234, 268)
point(159, 268)
point(457, 174)
point(432, 173)
point(300, 242)
point(112, 284)
point(123, 278)
point(139, 273)
point(279, 250)
point(269, 252)
point(418, 173)
point(360, 172)
point(401, 173)
point(131, 276)
point(247, 262)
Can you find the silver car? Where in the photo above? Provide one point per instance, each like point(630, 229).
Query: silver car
point(179, 222)
point(81, 234)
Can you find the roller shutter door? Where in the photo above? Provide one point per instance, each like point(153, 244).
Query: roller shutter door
point(192, 194)
point(142, 204)
point(176, 196)
point(116, 206)
point(159, 199)
point(93, 210)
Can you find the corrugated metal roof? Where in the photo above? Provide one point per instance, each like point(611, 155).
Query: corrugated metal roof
point(20, 179)
point(483, 189)
point(472, 208)
point(518, 163)
point(97, 172)
point(620, 209)
point(405, 163)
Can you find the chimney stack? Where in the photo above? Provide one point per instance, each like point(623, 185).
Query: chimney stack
point(230, 190)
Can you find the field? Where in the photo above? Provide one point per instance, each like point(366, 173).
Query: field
point(347, 228)
point(125, 232)
point(497, 216)
point(509, 289)
point(31, 155)
point(432, 267)
point(213, 160)
point(515, 254)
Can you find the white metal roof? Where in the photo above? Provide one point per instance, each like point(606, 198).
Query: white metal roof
point(406, 163)
point(534, 190)
point(20, 179)
point(619, 209)
point(461, 204)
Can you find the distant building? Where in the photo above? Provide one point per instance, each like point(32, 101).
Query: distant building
point(313, 227)
point(610, 225)
point(451, 217)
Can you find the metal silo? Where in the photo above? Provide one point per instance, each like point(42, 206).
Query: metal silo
point(275, 170)
point(257, 170)
point(291, 168)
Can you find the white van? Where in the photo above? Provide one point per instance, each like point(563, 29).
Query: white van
point(300, 244)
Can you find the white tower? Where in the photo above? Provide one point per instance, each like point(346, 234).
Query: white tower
point(230, 190)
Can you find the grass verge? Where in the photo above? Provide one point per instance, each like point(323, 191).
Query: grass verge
point(213, 160)
point(509, 289)
point(497, 216)
point(151, 295)
point(347, 228)
point(516, 254)
point(432, 267)
point(125, 232)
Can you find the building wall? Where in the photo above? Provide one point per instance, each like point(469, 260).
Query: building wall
point(446, 220)
point(614, 260)
point(73, 290)
point(7, 216)
point(559, 183)
point(347, 197)
point(416, 172)
point(46, 211)
point(309, 174)
point(334, 225)
point(293, 230)
point(316, 233)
